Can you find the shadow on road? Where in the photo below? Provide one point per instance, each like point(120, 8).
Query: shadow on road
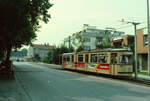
point(7, 77)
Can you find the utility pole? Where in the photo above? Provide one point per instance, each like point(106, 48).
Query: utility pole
point(135, 45)
point(135, 52)
point(148, 27)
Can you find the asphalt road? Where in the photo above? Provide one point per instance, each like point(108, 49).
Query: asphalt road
point(40, 83)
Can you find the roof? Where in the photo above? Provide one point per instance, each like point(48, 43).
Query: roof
point(112, 50)
point(42, 46)
point(69, 53)
point(126, 49)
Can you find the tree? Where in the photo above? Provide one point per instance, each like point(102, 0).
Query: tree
point(24, 50)
point(104, 42)
point(54, 55)
point(49, 57)
point(78, 41)
point(80, 48)
point(19, 21)
point(37, 57)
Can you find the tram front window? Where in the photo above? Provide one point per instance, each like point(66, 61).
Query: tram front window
point(125, 59)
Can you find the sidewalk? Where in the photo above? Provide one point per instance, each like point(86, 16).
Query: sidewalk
point(10, 90)
point(144, 77)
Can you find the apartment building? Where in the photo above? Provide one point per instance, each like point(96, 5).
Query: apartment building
point(92, 36)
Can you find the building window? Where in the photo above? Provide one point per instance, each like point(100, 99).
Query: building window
point(87, 48)
point(99, 42)
point(130, 40)
point(87, 39)
point(145, 38)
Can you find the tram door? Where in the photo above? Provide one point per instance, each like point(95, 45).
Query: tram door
point(113, 63)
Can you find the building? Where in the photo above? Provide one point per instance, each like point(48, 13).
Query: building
point(40, 50)
point(122, 41)
point(142, 49)
point(92, 37)
point(18, 55)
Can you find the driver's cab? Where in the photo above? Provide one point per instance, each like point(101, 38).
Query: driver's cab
point(125, 66)
point(121, 63)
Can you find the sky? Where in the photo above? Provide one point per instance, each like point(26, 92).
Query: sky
point(68, 17)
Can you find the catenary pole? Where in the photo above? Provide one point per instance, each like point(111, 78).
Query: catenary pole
point(135, 50)
point(148, 27)
point(135, 47)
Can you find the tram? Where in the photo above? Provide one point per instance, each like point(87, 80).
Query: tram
point(115, 62)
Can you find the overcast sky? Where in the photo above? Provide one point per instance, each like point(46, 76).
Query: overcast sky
point(68, 16)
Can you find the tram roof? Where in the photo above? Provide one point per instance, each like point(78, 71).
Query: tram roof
point(103, 50)
point(112, 50)
point(68, 53)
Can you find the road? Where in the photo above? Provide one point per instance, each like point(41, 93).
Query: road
point(40, 83)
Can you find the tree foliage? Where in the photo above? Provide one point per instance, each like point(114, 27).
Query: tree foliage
point(78, 40)
point(54, 55)
point(104, 42)
point(80, 48)
point(19, 21)
point(36, 58)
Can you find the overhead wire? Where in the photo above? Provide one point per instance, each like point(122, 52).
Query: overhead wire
point(128, 26)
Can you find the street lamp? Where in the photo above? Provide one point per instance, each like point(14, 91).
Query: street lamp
point(148, 25)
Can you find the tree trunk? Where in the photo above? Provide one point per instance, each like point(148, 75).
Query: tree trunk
point(8, 53)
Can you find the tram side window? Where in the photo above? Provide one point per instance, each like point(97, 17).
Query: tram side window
point(64, 58)
point(126, 59)
point(94, 58)
point(102, 58)
point(80, 58)
point(72, 58)
point(87, 58)
point(68, 58)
